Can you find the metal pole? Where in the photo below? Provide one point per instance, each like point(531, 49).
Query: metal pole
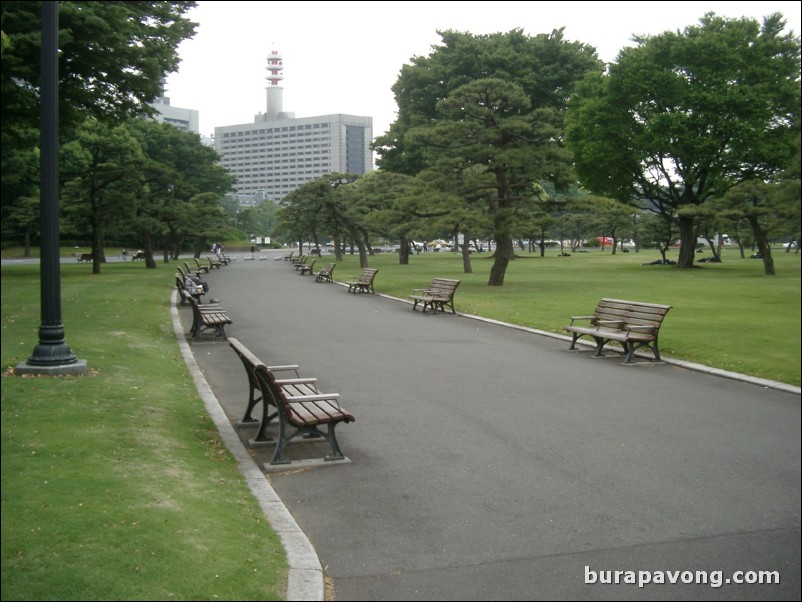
point(51, 355)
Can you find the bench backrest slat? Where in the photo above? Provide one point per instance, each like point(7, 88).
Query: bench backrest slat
point(631, 312)
point(244, 353)
point(443, 287)
point(367, 275)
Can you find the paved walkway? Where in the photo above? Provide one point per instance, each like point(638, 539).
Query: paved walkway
point(490, 463)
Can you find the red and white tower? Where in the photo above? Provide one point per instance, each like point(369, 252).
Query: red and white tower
point(275, 93)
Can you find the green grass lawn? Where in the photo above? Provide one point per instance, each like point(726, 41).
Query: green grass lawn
point(115, 485)
point(727, 315)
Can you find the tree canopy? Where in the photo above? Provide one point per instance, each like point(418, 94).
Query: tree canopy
point(684, 116)
point(112, 58)
point(546, 66)
point(490, 105)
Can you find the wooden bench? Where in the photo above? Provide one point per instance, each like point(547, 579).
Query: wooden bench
point(439, 295)
point(196, 272)
point(249, 362)
point(364, 283)
point(183, 292)
point(324, 275)
point(290, 256)
point(301, 409)
point(632, 323)
point(196, 276)
point(208, 317)
point(213, 263)
point(306, 269)
point(201, 268)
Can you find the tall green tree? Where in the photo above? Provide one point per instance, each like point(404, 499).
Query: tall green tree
point(102, 173)
point(542, 70)
point(684, 116)
point(546, 66)
point(112, 57)
point(307, 214)
point(259, 220)
point(395, 206)
point(177, 167)
point(611, 219)
point(20, 183)
point(487, 124)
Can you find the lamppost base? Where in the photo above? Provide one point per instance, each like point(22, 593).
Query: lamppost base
point(76, 368)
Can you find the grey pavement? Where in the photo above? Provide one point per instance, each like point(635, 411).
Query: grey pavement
point(490, 463)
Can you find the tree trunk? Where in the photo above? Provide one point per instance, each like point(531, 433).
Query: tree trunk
point(363, 253)
point(687, 241)
point(338, 247)
point(403, 251)
point(502, 232)
point(763, 247)
point(96, 248)
point(356, 239)
point(466, 254)
point(504, 252)
point(150, 263)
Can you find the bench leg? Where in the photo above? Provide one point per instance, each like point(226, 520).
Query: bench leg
point(194, 331)
point(656, 351)
point(629, 350)
point(335, 454)
point(252, 401)
point(267, 417)
point(283, 440)
point(573, 342)
point(600, 343)
point(632, 347)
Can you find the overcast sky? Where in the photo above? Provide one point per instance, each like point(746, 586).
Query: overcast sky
point(344, 57)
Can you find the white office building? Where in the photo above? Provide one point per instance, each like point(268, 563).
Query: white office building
point(184, 119)
point(278, 152)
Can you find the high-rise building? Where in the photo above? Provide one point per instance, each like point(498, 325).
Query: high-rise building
point(278, 152)
point(184, 119)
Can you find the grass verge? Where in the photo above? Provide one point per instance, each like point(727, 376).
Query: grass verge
point(725, 315)
point(115, 486)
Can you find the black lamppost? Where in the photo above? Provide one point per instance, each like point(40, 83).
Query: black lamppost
point(52, 355)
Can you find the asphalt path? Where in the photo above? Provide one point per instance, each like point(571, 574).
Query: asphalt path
point(490, 463)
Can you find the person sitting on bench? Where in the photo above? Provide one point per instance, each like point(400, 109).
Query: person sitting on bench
point(195, 285)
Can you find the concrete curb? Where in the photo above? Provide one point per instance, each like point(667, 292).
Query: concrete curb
point(305, 579)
